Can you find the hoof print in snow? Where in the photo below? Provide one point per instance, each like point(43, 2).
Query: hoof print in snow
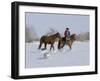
point(46, 55)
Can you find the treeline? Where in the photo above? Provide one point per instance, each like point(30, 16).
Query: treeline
point(83, 36)
point(30, 35)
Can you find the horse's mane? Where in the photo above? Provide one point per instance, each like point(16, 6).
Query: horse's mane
point(73, 36)
point(54, 34)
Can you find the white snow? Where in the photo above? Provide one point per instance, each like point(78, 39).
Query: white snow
point(78, 56)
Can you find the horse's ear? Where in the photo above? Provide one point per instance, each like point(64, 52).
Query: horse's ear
point(57, 32)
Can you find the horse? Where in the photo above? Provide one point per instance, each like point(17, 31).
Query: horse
point(49, 40)
point(63, 41)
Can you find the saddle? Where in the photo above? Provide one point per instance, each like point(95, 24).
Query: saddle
point(67, 38)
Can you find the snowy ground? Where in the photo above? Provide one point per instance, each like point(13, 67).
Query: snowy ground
point(79, 55)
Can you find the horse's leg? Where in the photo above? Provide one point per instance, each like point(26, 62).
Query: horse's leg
point(59, 44)
point(63, 44)
point(70, 46)
point(45, 45)
point(51, 47)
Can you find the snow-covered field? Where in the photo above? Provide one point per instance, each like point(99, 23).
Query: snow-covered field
point(78, 56)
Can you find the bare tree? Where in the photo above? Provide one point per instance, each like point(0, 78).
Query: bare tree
point(83, 36)
point(30, 34)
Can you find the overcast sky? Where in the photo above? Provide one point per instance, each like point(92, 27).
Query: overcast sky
point(42, 22)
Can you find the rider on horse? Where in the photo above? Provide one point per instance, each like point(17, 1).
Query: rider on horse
point(67, 34)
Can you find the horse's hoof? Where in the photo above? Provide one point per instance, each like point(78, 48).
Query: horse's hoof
point(43, 49)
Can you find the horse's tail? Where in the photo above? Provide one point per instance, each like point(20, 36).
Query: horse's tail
point(42, 39)
point(40, 44)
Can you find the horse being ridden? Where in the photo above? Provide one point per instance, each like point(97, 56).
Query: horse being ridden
point(49, 40)
point(62, 42)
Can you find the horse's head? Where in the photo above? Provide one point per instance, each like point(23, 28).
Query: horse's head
point(73, 37)
point(58, 35)
point(60, 44)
